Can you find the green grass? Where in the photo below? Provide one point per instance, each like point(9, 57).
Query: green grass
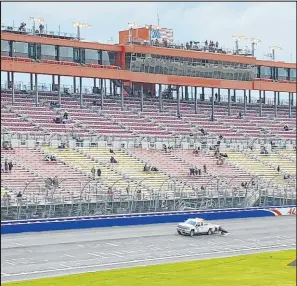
point(259, 269)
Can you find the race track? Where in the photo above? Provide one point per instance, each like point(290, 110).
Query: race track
point(36, 255)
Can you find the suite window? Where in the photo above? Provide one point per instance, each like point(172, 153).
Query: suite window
point(282, 73)
point(293, 74)
point(265, 72)
point(20, 49)
point(66, 54)
point(91, 56)
point(5, 48)
point(47, 52)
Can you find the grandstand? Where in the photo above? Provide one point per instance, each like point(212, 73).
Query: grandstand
point(144, 124)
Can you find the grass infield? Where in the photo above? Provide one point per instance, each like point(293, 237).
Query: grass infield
point(257, 269)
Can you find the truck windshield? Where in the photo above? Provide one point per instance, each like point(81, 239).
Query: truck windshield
point(190, 221)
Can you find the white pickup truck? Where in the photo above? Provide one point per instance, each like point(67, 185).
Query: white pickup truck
point(195, 226)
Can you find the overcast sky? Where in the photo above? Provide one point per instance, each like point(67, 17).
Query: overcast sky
point(273, 23)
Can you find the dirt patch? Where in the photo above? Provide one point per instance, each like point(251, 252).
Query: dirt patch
point(293, 263)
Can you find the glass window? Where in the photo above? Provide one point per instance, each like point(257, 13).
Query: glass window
point(20, 49)
point(293, 74)
point(5, 48)
point(66, 54)
point(282, 73)
point(91, 56)
point(265, 72)
point(48, 52)
point(105, 58)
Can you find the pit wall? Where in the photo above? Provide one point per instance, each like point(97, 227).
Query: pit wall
point(39, 225)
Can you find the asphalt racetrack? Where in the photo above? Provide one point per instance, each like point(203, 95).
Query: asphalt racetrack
point(36, 255)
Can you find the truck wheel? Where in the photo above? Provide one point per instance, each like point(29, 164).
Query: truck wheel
point(178, 232)
point(192, 233)
point(209, 231)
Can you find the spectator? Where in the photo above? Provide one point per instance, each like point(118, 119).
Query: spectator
point(55, 182)
point(278, 168)
point(111, 151)
point(204, 168)
point(19, 195)
point(2, 168)
point(202, 188)
point(10, 165)
point(47, 158)
point(154, 169)
point(216, 96)
point(196, 171)
point(138, 194)
point(286, 128)
point(146, 168)
point(286, 176)
point(113, 160)
point(65, 116)
point(58, 120)
point(192, 171)
point(93, 170)
point(199, 172)
point(98, 172)
point(6, 166)
point(239, 116)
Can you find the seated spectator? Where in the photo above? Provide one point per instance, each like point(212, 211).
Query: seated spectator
point(62, 146)
point(154, 169)
point(58, 120)
point(278, 168)
point(202, 188)
point(286, 128)
point(221, 137)
point(225, 155)
point(53, 158)
point(196, 171)
point(93, 170)
point(6, 166)
point(55, 182)
point(244, 184)
point(146, 168)
point(165, 148)
point(111, 151)
point(195, 152)
point(19, 195)
point(113, 160)
point(47, 158)
point(192, 171)
point(239, 116)
point(287, 176)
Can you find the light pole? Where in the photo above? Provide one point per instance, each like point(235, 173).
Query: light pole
point(34, 20)
point(131, 26)
point(79, 25)
point(273, 49)
point(254, 43)
point(236, 39)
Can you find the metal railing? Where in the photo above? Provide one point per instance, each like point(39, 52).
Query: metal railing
point(91, 199)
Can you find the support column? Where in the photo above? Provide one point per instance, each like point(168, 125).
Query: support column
point(290, 104)
point(59, 90)
point(53, 80)
point(178, 101)
point(264, 97)
point(186, 93)
point(160, 98)
point(141, 97)
point(122, 95)
point(8, 78)
point(74, 84)
point(275, 105)
point(81, 100)
point(219, 94)
point(229, 102)
point(104, 86)
point(94, 82)
point(31, 81)
point(244, 102)
point(101, 85)
point(234, 94)
point(12, 88)
point(203, 93)
point(114, 89)
point(182, 93)
point(212, 103)
point(195, 98)
point(110, 87)
point(36, 90)
point(250, 96)
point(260, 102)
point(102, 93)
point(278, 98)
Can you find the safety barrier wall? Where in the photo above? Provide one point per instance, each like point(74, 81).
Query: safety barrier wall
point(20, 226)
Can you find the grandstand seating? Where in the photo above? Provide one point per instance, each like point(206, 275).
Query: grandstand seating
point(25, 118)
